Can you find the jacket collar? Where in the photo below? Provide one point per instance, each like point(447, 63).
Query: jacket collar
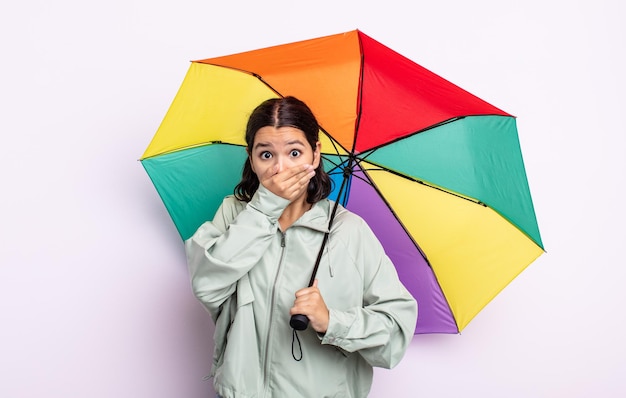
point(317, 217)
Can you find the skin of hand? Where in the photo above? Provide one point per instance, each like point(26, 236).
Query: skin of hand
point(309, 302)
point(290, 183)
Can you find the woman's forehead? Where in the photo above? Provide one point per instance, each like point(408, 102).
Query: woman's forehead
point(270, 135)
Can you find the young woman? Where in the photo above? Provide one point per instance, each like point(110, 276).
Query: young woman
point(251, 265)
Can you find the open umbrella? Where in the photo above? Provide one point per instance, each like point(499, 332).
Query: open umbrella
point(435, 171)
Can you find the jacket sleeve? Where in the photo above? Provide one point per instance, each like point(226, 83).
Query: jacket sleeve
point(222, 251)
point(381, 330)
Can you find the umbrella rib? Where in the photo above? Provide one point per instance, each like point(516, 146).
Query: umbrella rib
point(359, 160)
point(357, 122)
point(373, 149)
point(393, 213)
point(365, 155)
point(198, 145)
point(365, 180)
point(422, 182)
point(332, 141)
point(337, 170)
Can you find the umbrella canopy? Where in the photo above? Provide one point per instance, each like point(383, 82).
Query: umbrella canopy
point(436, 172)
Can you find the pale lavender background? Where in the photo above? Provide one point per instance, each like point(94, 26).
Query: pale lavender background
point(94, 294)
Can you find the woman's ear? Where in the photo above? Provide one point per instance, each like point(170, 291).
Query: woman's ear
point(317, 154)
point(250, 160)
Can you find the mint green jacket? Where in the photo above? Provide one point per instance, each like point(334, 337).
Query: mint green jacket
point(245, 271)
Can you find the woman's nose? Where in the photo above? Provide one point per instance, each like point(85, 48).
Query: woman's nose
point(280, 163)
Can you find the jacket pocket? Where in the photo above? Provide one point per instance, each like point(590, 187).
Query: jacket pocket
point(244, 291)
point(242, 296)
point(222, 326)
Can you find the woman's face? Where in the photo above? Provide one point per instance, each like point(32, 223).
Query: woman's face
point(284, 147)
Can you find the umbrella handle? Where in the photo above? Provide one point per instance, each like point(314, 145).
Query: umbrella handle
point(299, 322)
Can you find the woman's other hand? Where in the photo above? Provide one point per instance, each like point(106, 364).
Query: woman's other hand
point(309, 302)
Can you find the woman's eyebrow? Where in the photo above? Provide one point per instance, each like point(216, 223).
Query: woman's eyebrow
point(262, 145)
point(268, 144)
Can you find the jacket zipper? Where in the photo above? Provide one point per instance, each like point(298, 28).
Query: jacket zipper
point(266, 371)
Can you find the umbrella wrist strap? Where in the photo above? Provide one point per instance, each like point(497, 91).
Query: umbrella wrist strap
point(318, 260)
point(324, 240)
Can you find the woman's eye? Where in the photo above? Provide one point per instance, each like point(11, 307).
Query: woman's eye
point(295, 153)
point(266, 155)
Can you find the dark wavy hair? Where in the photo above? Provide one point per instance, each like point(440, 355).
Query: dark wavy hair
point(283, 112)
